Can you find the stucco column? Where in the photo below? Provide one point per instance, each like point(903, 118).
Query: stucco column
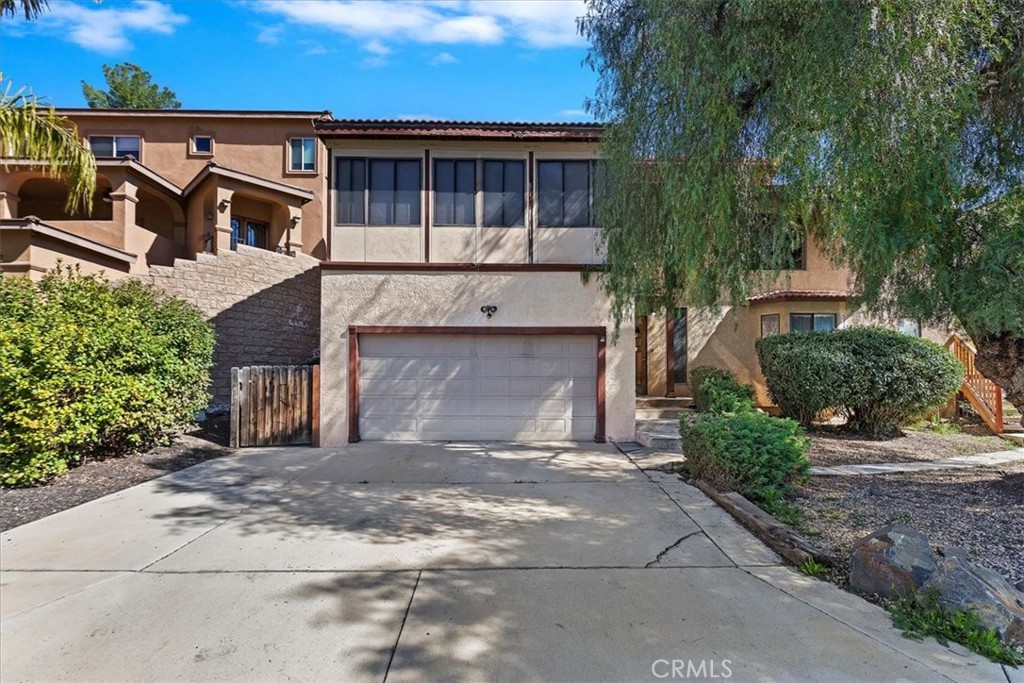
point(8, 204)
point(222, 219)
point(123, 199)
point(293, 231)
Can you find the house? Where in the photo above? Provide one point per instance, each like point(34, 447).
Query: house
point(442, 270)
point(170, 184)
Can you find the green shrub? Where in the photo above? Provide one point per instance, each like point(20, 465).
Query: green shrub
point(752, 453)
point(879, 379)
point(93, 368)
point(717, 391)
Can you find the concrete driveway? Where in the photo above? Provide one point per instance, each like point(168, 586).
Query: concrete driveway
point(420, 562)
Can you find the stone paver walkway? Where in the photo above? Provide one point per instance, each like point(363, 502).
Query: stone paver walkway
point(966, 462)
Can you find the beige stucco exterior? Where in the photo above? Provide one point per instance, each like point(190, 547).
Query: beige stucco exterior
point(148, 208)
point(524, 300)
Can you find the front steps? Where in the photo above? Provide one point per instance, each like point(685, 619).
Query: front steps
point(657, 422)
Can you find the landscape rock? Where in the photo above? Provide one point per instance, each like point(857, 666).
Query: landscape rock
point(962, 585)
point(895, 560)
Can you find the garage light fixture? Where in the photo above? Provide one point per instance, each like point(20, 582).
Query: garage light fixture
point(489, 310)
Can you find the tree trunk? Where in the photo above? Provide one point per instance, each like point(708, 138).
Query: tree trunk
point(1001, 359)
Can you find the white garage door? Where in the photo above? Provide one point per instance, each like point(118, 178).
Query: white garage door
point(486, 387)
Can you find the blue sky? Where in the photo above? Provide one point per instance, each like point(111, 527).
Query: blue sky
point(448, 59)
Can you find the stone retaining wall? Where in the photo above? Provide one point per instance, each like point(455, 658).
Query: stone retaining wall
point(264, 306)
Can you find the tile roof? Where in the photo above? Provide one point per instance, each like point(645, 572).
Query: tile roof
point(800, 295)
point(468, 130)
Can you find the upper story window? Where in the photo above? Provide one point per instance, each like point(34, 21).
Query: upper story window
point(565, 193)
point(115, 145)
point(501, 183)
point(504, 193)
point(202, 144)
point(806, 322)
point(302, 155)
point(454, 192)
point(378, 191)
point(795, 257)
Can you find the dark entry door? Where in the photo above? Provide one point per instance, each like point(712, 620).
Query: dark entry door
point(641, 355)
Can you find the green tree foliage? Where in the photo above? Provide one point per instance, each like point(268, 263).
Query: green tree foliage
point(129, 87)
point(89, 368)
point(891, 131)
point(879, 379)
point(30, 129)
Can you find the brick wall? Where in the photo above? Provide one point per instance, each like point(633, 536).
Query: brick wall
point(264, 306)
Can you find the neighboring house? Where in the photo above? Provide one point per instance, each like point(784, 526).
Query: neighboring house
point(170, 184)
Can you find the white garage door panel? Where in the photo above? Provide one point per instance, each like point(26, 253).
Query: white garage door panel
point(447, 387)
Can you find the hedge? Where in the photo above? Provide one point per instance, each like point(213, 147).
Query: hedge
point(90, 368)
point(717, 391)
point(879, 379)
point(759, 456)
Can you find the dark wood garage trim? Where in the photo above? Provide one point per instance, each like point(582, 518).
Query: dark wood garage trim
point(353, 359)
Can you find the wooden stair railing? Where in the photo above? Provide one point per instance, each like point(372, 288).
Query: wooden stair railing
point(984, 395)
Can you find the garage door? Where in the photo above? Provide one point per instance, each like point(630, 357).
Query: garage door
point(487, 387)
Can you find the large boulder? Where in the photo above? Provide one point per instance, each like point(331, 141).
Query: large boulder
point(895, 560)
point(962, 585)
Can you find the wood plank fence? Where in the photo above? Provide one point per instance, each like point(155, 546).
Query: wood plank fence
point(275, 405)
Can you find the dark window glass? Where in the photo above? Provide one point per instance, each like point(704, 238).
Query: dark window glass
point(407, 193)
point(770, 325)
point(564, 193)
point(236, 226)
point(126, 146)
point(806, 322)
point(351, 185)
point(504, 186)
point(679, 347)
point(256, 234)
point(382, 192)
point(454, 192)
point(202, 144)
point(101, 145)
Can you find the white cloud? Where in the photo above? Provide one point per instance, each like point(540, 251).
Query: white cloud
point(419, 117)
point(106, 29)
point(269, 35)
point(574, 114)
point(376, 47)
point(443, 58)
point(536, 24)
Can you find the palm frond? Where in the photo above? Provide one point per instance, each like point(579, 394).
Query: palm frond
point(32, 130)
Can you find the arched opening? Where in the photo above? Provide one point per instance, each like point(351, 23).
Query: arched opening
point(45, 198)
point(153, 213)
point(255, 222)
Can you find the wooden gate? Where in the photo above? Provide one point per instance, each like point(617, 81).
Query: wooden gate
point(275, 405)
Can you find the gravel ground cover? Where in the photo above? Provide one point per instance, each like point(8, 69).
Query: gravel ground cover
point(99, 477)
point(831, 446)
point(979, 509)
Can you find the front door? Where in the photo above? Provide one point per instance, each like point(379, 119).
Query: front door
point(641, 356)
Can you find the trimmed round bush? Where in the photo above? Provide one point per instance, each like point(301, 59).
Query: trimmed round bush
point(717, 391)
point(879, 379)
point(759, 456)
point(90, 368)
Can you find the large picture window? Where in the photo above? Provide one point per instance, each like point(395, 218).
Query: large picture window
point(806, 322)
point(378, 191)
point(565, 193)
point(118, 146)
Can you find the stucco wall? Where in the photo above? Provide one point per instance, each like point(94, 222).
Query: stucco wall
point(264, 307)
point(454, 299)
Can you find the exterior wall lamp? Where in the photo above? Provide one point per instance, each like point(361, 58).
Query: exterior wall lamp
point(488, 310)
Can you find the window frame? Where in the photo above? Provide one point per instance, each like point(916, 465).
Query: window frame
point(778, 324)
point(480, 194)
point(366, 157)
point(592, 164)
point(113, 143)
point(194, 151)
point(245, 222)
point(477, 189)
point(290, 158)
point(813, 317)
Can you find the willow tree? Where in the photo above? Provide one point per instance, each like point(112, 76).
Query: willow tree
point(890, 131)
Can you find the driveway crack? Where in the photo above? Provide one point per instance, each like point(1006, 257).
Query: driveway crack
point(667, 550)
point(401, 627)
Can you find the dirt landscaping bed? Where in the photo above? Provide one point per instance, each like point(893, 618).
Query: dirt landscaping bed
point(831, 446)
point(97, 478)
point(980, 510)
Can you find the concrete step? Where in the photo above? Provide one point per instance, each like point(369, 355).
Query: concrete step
point(1017, 438)
point(662, 402)
point(661, 413)
point(660, 435)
